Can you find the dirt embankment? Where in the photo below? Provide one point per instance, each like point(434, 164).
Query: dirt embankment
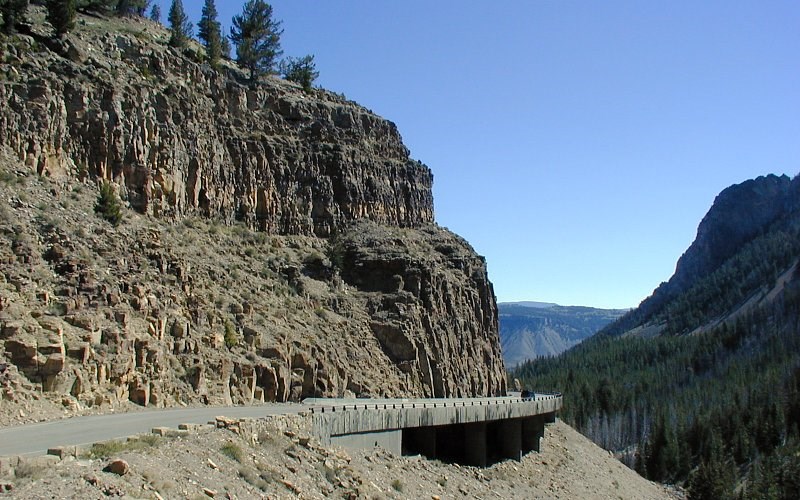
point(279, 461)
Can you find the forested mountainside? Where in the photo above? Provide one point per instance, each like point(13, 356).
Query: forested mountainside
point(701, 383)
point(176, 233)
point(536, 330)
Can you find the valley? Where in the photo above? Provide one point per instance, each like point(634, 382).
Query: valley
point(532, 330)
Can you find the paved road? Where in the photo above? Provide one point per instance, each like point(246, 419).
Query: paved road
point(34, 439)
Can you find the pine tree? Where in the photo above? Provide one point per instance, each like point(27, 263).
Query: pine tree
point(13, 13)
point(257, 38)
point(714, 479)
point(302, 71)
point(108, 205)
point(179, 25)
point(210, 32)
point(123, 7)
point(225, 43)
point(155, 13)
point(662, 452)
point(131, 7)
point(140, 7)
point(61, 15)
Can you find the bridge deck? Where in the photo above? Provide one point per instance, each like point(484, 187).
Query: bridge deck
point(470, 430)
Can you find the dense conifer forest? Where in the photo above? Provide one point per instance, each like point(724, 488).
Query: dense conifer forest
point(712, 398)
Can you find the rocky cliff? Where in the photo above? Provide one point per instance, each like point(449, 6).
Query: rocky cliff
point(740, 215)
point(179, 137)
point(276, 244)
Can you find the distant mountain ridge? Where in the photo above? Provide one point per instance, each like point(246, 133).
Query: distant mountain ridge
point(529, 330)
point(532, 303)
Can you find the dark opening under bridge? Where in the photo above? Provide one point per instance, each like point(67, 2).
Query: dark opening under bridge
point(470, 431)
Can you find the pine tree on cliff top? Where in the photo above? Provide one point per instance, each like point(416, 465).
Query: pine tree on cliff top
point(300, 70)
point(101, 6)
point(257, 38)
point(225, 46)
point(132, 7)
point(61, 15)
point(210, 32)
point(155, 13)
point(179, 25)
point(140, 7)
point(124, 7)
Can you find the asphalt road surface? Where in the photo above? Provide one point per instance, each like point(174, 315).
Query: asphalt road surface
point(35, 439)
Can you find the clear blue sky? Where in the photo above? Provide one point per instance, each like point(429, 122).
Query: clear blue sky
point(576, 145)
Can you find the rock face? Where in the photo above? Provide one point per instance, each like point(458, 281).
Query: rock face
point(739, 213)
point(181, 138)
point(432, 307)
point(276, 244)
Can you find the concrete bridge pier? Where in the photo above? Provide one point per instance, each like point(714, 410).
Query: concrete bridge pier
point(510, 438)
point(475, 444)
point(532, 433)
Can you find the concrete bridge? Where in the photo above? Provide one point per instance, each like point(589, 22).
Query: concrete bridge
point(473, 431)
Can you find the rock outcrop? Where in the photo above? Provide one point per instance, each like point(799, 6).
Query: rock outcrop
point(432, 307)
point(276, 244)
point(738, 214)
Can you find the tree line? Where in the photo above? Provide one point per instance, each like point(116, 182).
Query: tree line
point(254, 32)
point(718, 412)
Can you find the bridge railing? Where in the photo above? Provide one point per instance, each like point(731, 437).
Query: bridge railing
point(322, 408)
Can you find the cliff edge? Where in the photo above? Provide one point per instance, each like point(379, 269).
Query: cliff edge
point(275, 244)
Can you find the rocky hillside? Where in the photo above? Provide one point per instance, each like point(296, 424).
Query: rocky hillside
point(275, 244)
point(532, 331)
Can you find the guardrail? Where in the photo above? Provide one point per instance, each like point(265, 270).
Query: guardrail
point(433, 404)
